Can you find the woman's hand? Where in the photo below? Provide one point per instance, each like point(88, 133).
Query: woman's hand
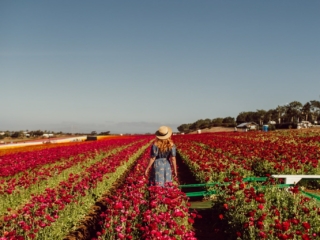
point(149, 166)
point(146, 173)
point(175, 174)
point(174, 167)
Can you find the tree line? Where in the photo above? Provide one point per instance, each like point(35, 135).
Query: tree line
point(21, 134)
point(282, 116)
point(39, 133)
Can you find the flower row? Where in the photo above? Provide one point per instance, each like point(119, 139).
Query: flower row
point(256, 212)
point(18, 189)
point(137, 211)
point(259, 157)
point(12, 164)
point(54, 211)
point(35, 175)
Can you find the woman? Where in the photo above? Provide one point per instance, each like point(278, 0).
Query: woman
point(162, 151)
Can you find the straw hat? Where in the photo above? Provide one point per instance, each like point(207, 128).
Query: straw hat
point(164, 132)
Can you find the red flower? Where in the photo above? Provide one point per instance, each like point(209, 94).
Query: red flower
point(262, 235)
point(190, 220)
point(285, 226)
point(305, 237)
point(118, 205)
point(306, 225)
point(295, 221)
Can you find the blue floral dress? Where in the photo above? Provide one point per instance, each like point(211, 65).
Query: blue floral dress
point(161, 169)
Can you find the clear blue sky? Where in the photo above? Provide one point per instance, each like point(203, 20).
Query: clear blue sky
point(131, 66)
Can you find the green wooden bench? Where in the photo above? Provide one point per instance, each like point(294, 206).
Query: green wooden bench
point(290, 180)
point(208, 193)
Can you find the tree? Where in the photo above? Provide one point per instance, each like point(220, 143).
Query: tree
point(205, 123)
point(184, 127)
point(18, 134)
point(281, 111)
point(93, 133)
point(105, 133)
point(293, 111)
point(251, 117)
point(228, 120)
point(270, 115)
point(36, 133)
point(216, 122)
point(7, 133)
point(306, 111)
point(315, 110)
point(200, 124)
point(241, 118)
point(259, 116)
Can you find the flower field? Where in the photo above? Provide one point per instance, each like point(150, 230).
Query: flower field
point(253, 210)
point(41, 189)
point(97, 190)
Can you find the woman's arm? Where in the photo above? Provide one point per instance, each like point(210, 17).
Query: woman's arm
point(173, 160)
point(149, 166)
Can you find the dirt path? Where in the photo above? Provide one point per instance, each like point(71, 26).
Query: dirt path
point(206, 227)
point(215, 129)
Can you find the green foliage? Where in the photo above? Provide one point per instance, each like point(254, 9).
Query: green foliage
point(36, 133)
point(264, 212)
point(105, 133)
point(216, 121)
point(262, 168)
point(229, 120)
point(17, 134)
point(291, 112)
point(184, 128)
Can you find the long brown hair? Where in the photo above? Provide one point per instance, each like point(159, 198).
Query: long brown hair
point(164, 145)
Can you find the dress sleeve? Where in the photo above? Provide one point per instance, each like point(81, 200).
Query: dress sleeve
point(154, 151)
point(173, 151)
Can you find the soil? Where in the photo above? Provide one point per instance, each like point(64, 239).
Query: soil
point(214, 129)
point(314, 191)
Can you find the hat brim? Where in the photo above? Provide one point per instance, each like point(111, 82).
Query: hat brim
point(162, 137)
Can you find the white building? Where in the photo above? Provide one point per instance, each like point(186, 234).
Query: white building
point(248, 125)
point(47, 135)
